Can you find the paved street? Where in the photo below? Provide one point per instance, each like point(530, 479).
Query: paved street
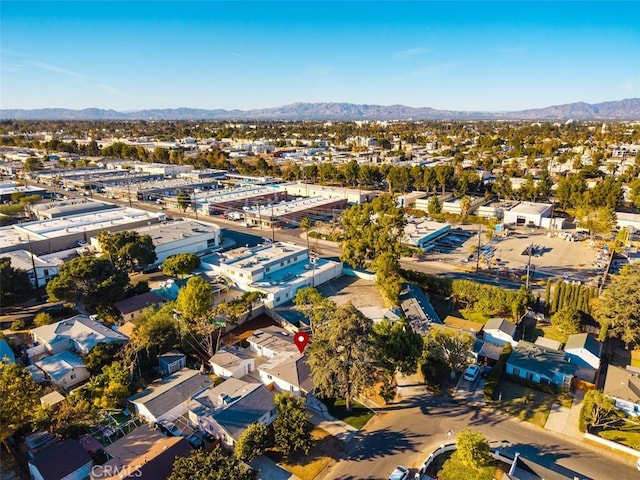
point(406, 433)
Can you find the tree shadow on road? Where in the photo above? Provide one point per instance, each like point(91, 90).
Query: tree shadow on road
point(384, 442)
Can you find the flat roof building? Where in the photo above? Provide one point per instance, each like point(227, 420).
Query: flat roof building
point(292, 212)
point(179, 236)
point(532, 214)
point(77, 206)
point(277, 270)
point(221, 201)
point(351, 195)
point(420, 233)
point(54, 235)
point(7, 191)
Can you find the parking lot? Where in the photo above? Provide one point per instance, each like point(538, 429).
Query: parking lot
point(552, 255)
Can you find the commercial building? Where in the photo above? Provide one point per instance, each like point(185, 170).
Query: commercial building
point(237, 199)
point(277, 270)
point(77, 206)
point(7, 191)
point(292, 212)
point(57, 234)
point(420, 233)
point(351, 195)
point(179, 236)
point(532, 215)
point(455, 205)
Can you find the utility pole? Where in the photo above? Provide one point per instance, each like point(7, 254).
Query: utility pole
point(195, 203)
point(478, 251)
point(528, 266)
point(35, 271)
point(129, 193)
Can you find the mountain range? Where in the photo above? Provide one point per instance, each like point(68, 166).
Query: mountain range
point(627, 109)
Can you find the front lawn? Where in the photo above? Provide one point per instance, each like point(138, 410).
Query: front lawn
point(474, 316)
point(307, 467)
point(357, 417)
point(526, 403)
point(629, 436)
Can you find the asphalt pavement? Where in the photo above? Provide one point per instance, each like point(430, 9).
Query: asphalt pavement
point(406, 433)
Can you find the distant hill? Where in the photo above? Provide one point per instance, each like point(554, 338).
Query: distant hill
point(628, 109)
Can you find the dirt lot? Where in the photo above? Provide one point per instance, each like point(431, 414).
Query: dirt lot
point(362, 293)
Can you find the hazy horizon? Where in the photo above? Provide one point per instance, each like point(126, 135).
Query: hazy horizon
point(466, 56)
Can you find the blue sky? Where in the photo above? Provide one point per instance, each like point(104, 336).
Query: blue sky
point(447, 55)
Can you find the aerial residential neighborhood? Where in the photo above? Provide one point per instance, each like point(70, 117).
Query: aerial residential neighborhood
point(319, 240)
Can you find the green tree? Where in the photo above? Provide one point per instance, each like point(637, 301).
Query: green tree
point(180, 264)
point(20, 395)
point(340, 355)
point(100, 356)
point(465, 205)
point(567, 320)
point(433, 206)
point(399, 347)
point(305, 226)
point(215, 465)
point(93, 281)
point(110, 389)
point(15, 286)
point(618, 309)
point(472, 459)
point(371, 229)
point(388, 277)
point(450, 348)
point(128, 250)
point(292, 427)
point(598, 220)
point(41, 319)
point(314, 306)
point(184, 200)
point(547, 295)
point(252, 442)
point(195, 299)
point(597, 410)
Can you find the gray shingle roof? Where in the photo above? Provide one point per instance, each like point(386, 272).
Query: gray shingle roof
point(59, 460)
point(500, 324)
point(171, 391)
point(536, 358)
point(586, 341)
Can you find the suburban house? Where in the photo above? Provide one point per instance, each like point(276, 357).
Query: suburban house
point(499, 332)
point(78, 333)
point(169, 397)
point(623, 386)
point(65, 370)
point(64, 460)
point(584, 350)
point(288, 373)
point(172, 362)
point(548, 343)
point(143, 453)
point(130, 308)
point(540, 365)
point(232, 362)
point(228, 409)
point(271, 341)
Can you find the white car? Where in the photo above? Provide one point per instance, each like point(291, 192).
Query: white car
point(400, 473)
point(472, 372)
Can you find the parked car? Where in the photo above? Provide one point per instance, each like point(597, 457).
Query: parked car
point(195, 441)
point(400, 473)
point(471, 373)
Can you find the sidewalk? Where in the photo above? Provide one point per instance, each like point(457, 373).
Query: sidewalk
point(320, 418)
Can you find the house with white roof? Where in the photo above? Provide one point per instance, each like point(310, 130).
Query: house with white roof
point(78, 333)
point(65, 370)
point(272, 341)
point(232, 362)
point(623, 386)
point(45, 268)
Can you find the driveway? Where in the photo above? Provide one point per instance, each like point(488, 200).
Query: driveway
point(470, 392)
point(267, 469)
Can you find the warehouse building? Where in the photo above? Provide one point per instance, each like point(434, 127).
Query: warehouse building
point(292, 212)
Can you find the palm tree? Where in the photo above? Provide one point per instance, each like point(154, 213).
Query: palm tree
point(305, 226)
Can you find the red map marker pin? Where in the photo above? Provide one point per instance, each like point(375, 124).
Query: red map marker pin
point(301, 339)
